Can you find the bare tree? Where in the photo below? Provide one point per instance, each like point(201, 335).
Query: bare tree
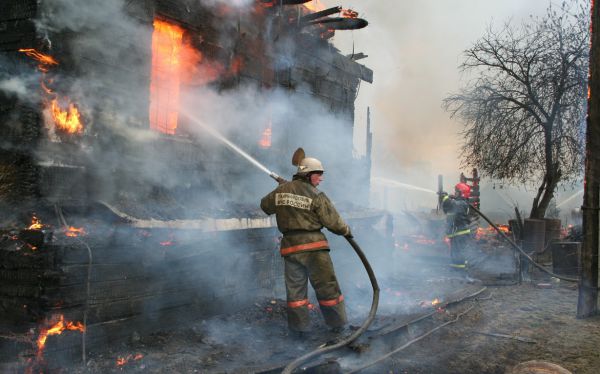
point(524, 108)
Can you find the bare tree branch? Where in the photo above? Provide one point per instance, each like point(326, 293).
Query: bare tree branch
point(524, 112)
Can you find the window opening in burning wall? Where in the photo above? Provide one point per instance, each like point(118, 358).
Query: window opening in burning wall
point(175, 62)
point(167, 44)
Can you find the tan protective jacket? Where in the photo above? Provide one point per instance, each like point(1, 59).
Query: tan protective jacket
point(302, 211)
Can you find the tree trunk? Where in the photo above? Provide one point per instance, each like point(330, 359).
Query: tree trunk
point(587, 304)
point(545, 193)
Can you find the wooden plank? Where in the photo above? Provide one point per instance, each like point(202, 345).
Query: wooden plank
point(587, 304)
point(17, 9)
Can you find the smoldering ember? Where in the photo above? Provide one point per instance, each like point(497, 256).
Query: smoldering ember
point(178, 176)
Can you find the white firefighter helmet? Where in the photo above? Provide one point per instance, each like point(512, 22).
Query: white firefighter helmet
point(309, 165)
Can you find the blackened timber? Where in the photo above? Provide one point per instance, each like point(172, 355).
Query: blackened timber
point(587, 304)
point(320, 14)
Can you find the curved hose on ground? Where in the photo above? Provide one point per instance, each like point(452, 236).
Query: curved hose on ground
point(294, 364)
point(523, 253)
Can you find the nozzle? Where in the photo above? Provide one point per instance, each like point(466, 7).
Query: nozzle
point(279, 179)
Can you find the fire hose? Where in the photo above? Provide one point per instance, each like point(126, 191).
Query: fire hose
point(520, 250)
point(349, 339)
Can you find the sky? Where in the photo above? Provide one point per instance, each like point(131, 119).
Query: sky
point(414, 49)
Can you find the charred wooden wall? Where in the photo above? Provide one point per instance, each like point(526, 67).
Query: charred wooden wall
point(317, 71)
point(20, 123)
point(136, 283)
point(123, 281)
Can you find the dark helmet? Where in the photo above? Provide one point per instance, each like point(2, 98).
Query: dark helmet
point(463, 189)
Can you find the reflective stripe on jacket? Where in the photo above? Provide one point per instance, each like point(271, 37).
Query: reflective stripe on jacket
point(458, 221)
point(458, 233)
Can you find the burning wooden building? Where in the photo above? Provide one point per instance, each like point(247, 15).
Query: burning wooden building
point(120, 211)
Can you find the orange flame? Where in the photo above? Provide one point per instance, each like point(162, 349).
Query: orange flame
point(129, 358)
point(74, 231)
point(314, 6)
point(349, 13)
point(174, 62)
point(44, 60)
point(36, 224)
point(237, 63)
point(489, 231)
point(68, 120)
point(56, 329)
point(433, 303)
point(265, 140)
point(167, 42)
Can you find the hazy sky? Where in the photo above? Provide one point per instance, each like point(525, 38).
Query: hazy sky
point(414, 49)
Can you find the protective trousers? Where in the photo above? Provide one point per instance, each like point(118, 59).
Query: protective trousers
point(317, 267)
point(459, 246)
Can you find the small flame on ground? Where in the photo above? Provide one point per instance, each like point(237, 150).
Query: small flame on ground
point(167, 243)
point(129, 358)
point(36, 224)
point(74, 231)
point(433, 303)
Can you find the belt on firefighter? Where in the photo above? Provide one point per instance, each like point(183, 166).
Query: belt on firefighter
point(322, 244)
point(297, 304)
point(461, 232)
point(332, 302)
point(299, 232)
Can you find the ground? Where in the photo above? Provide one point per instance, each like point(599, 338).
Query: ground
point(546, 316)
point(536, 321)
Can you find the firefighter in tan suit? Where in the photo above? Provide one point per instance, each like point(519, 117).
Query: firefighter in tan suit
point(302, 211)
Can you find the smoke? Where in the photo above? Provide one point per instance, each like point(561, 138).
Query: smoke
point(232, 3)
point(415, 51)
point(15, 85)
point(104, 59)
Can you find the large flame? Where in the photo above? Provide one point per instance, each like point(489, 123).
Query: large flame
point(175, 62)
point(167, 42)
point(56, 329)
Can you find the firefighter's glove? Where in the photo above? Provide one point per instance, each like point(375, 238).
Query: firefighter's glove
point(349, 234)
